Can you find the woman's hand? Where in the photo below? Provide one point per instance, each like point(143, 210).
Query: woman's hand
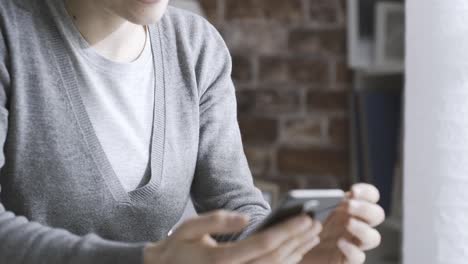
point(191, 243)
point(349, 231)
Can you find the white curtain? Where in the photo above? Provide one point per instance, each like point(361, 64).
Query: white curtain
point(436, 140)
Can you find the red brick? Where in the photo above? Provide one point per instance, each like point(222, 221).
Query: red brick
point(300, 70)
point(339, 132)
point(343, 72)
point(325, 12)
point(242, 68)
point(313, 161)
point(327, 100)
point(245, 101)
point(284, 11)
point(299, 181)
point(343, 6)
point(210, 7)
point(279, 10)
point(259, 159)
point(325, 182)
point(276, 101)
point(254, 37)
point(244, 86)
point(313, 41)
point(309, 70)
point(274, 69)
point(278, 49)
point(286, 183)
point(272, 101)
point(302, 130)
point(258, 130)
point(245, 9)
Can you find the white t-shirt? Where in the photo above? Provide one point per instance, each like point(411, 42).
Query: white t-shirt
point(119, 99)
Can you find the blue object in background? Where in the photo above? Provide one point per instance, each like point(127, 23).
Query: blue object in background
point(379, 115)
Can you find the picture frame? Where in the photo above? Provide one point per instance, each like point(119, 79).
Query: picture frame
point(389, 35)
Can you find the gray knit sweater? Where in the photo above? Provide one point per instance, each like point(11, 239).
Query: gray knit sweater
point(61, 200)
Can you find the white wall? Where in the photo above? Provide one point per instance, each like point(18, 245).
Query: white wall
point(436, 143)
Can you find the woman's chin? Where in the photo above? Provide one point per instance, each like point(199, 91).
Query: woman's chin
point(145, 12)
point(147, 20)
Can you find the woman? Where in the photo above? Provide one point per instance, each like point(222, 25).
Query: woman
point(112, 114)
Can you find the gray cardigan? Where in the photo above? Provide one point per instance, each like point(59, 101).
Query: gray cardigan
point(61, 200)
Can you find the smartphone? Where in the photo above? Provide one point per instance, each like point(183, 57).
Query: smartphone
point(318, 204)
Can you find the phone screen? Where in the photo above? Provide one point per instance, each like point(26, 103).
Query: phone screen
point(317, 204)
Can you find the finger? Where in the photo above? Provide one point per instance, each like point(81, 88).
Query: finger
point(366, 192)
point(288, 251)
point(369, 238)
point(304, 243)
point(351, 252)
point(292, 259)
point(218, 222)
point(305, 248)
point(368, 212)
point(260, 244)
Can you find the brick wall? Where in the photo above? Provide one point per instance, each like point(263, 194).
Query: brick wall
point(292, 87)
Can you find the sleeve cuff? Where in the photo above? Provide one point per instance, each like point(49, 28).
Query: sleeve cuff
point(93, 249)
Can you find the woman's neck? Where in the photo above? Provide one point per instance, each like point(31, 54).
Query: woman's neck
point(110, 35)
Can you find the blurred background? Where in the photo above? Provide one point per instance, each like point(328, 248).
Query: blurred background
point(319, 88)
point(293, 84)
